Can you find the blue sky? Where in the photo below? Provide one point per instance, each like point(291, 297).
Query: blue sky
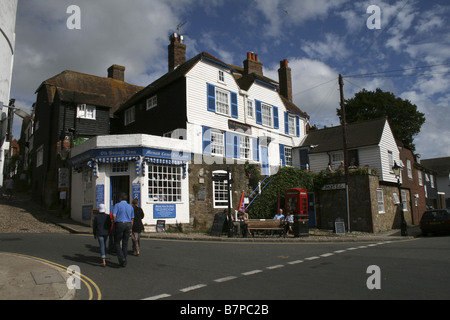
point(320, 38)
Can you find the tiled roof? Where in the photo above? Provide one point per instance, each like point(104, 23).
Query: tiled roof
point(86, 88)
point(360, 134)
point(243, 81)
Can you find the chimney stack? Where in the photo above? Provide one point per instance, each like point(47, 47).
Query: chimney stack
point(285, 80)
point(252, 65)
point(116, 72)
point(177, 51)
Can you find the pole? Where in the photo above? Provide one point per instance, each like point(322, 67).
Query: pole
point(230, 224)
point(344, 133)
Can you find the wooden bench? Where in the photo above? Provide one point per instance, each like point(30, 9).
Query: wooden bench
point(264, 225)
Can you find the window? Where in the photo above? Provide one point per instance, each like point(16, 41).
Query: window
point(245, 147)
point(152, 102)
point(130, 115)
point(266, 111)
point(404, 201)
point(85, 111)
point(291, 125)
point(391, 161)
point(380, 200)
point(164, 183)
point(39, 156)
point(409, 169)
point(221, 76)
point(419, 176)
point(288, 156)
point(220, 196)
point(432, 180)
point(222, 102)
point(217, 143)
point(119, 167)
point(250, 111)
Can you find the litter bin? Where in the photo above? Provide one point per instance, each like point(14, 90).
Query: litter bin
point(301, 225)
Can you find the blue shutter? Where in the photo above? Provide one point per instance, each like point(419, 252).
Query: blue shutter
point(229, 144)
point(206, 140)
point(286, 123)
point(211, 92)
point(255, 147)
point(258, 112)
point(237, 146)
point(276, 122)
point(297, 126)
point(282, 156)
point(234, 105)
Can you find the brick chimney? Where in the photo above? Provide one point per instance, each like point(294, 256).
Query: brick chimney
point(116, 72)
point(177, 51)
point(285, 80)
point(252, 65)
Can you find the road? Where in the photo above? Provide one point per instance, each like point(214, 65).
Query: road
point(203, 270)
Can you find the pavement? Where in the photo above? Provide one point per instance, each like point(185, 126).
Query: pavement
point(31, 278)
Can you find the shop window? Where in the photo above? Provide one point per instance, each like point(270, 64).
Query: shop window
point(164, 183)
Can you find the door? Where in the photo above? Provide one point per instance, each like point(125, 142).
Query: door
point(311, 210)
point(265, 161)
point(119, 184)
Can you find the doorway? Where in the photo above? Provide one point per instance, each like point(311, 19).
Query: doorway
point(119, 184)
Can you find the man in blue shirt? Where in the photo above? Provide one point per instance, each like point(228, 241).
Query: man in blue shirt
point(123, 214)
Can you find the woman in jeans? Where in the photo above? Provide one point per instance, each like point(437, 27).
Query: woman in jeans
point(101, 228)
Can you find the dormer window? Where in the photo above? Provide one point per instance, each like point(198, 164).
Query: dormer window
point(86, 111)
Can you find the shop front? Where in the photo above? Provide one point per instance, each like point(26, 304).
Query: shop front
point(141, 166)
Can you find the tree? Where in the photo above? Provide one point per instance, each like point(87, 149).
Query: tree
point(404, 118)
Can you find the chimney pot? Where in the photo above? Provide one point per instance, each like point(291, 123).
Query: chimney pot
point(252, 65)
point(177, 51)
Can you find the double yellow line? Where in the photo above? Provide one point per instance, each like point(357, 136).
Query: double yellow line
point(89, 283)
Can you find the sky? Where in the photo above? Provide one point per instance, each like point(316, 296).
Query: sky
point(400, 46)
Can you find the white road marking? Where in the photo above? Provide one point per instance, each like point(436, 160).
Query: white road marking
point(275, 267)
point(161, 296)
point(249, 273)
point(225, 279)
point(198, 286)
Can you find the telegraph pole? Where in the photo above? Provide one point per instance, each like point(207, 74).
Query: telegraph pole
point(344, 133)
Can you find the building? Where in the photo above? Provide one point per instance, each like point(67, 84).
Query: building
point(373, 188)
point(8, 10)
point(440, 178)
point(71, 107)
point(222, 115)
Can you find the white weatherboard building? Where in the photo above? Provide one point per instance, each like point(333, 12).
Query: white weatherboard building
point(8, 10)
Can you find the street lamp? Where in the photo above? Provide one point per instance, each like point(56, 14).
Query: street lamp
point(403, 226)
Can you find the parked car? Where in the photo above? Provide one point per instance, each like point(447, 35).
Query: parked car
point(435, 221)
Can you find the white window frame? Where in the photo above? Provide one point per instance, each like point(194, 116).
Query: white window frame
point(380, 200)
point(223, 105)
point(267, 115)
point(220, 192)
point(419, 177)
point(165, 183)
point(86, 111)
point(250, 108)
point(40, 156)
point(288, 156)
point(391, 161)
point(130, 115)
point(217, 143)
point(152, 102)
point(404, 200)
point(221, 76)
point(432, 181)
point(292, 126)
point(409, 169)
point(245, 147)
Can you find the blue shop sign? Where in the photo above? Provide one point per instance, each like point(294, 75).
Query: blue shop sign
point(164, 211)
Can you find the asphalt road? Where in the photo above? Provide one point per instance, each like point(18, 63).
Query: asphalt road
point(222, 271)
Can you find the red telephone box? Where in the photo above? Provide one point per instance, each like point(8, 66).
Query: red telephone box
point(296, 203)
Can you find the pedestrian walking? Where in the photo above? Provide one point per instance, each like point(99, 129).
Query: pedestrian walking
point(123, 214)
point(138, 227)
point(101, 228)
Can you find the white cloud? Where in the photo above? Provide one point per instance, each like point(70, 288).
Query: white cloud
point(333, 46)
